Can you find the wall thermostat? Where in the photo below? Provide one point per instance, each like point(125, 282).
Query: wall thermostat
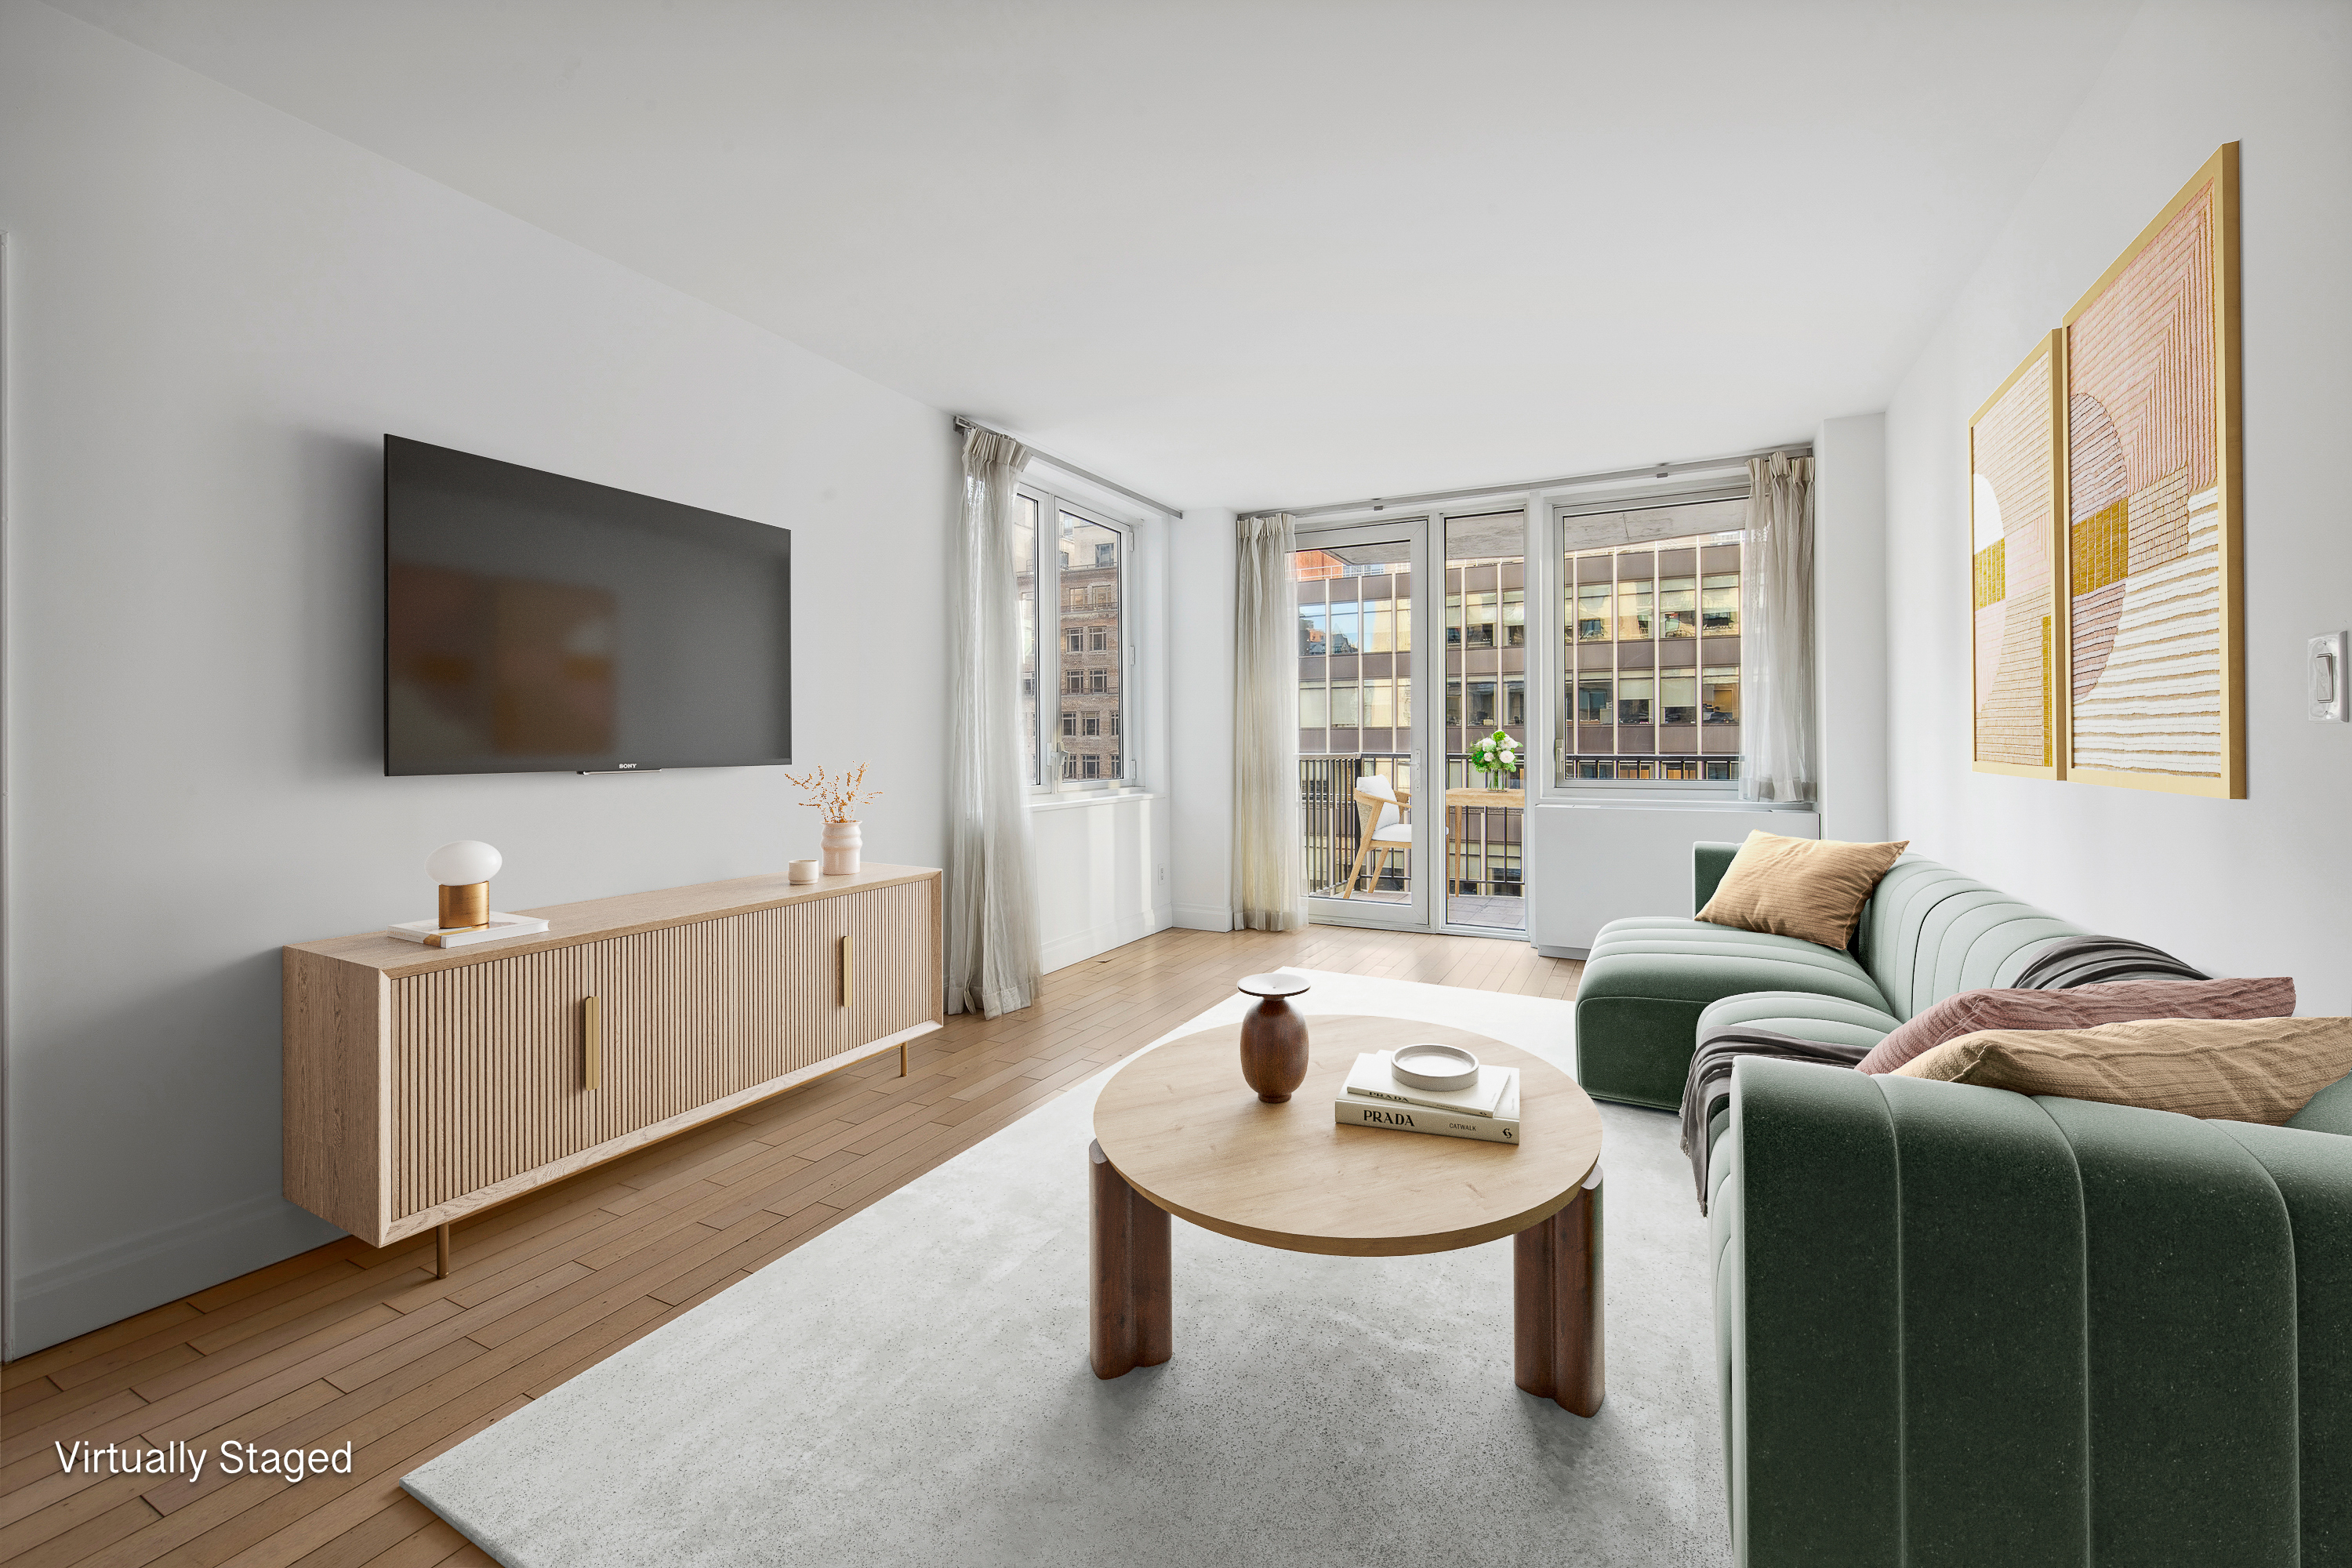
point(2325, 679)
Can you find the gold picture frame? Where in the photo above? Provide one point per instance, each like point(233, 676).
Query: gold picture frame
point(2017, 570)
point(2154, 593)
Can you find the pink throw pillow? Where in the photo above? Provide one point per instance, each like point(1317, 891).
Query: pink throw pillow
point(2083, 1007)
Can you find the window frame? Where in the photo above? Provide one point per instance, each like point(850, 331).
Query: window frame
point(1056, 769)
point(1562, 651)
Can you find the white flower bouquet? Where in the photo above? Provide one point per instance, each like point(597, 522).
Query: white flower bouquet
point(1496, 754)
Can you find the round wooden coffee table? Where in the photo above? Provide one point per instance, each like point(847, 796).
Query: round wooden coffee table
point(1177, 1132)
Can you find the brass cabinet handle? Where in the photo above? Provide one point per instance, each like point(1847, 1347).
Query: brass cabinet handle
point(592, 1040)
point(846, 970)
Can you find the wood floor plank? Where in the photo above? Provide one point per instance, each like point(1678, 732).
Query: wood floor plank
point(359, 1343)
point(40, 1364)
point(374, 1536)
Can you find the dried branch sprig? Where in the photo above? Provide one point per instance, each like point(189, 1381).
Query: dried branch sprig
point(838, 797)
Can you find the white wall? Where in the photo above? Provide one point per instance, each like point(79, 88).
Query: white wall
point(1590, 863)
point(2261, 885)
point(1098, 874)
point(1850, 625)
point(1200, 709)
point(218, 312)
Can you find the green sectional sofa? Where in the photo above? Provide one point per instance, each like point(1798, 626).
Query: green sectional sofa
point(1652, 984)
point(1969, 1329)
point(1960, 1326)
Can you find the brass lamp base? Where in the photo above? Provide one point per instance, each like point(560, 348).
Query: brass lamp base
point(466, 908)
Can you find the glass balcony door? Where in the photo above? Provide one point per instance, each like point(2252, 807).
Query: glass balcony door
point(1485, 674)
point(1362, 714)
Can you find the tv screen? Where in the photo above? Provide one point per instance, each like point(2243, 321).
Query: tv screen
point(536, 623)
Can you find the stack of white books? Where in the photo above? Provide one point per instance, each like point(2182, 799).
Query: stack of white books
point(1488, 1109)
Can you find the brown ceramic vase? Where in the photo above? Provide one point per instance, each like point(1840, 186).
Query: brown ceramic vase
point(1274, 1038)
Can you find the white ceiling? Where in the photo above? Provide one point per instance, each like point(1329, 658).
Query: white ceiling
point(1244, 254)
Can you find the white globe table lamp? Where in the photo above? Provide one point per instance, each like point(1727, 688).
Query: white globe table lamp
point(464, 869)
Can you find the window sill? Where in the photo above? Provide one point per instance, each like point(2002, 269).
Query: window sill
point(1088, 797)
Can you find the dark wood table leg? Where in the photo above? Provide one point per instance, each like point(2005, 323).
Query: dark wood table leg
point(1557, 1302)
point(1131, 1323)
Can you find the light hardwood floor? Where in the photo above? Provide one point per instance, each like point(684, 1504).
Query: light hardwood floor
point(354, 1344)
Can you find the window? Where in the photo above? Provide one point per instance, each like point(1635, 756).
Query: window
point(1718, 695)
point(1077, 561)
point(1633, 606)
point(1592, 611)
point(1719, 604)
point(1678, 702)
point(1650, 602)
point(1024, 583)
point(1677, 607)
point(1633, 700)
point(1314, 630)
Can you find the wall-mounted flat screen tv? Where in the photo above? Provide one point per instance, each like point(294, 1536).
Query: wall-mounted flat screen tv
point(538, 624)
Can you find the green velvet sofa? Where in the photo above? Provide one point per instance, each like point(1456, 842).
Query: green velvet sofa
point(1960, 1326)
point(1653, 982)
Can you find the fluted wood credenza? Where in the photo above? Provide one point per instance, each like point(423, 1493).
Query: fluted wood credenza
point(423, 1084)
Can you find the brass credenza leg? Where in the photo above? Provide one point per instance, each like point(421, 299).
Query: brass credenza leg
point(441, 1252)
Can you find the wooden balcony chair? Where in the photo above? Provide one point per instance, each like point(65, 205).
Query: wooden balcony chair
point(1382, 805)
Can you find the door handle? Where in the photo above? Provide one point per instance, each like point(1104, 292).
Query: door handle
point(847, 971)
point(591, 1044)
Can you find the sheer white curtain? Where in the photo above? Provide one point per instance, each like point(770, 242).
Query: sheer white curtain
point(1776, 633)
point(1269, 882)
point(990, 916)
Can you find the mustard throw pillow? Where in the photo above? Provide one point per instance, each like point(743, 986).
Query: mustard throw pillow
point(1813, 888)
point(2255, 1070)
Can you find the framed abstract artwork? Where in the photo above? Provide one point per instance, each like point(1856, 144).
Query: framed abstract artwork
point(2017, 473)
point(2154, 633)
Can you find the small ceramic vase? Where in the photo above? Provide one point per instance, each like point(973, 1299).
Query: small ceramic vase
point(1274, 1038)
point(842, 842)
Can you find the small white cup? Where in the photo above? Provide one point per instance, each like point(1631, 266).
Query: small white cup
point(801, 871)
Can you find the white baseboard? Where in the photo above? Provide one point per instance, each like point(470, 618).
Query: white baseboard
point(1204, 917)
point(119, 1279)
point(1578, 954)
point(1079, 946)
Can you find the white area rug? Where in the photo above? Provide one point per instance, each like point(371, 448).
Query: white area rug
point(913, 1388)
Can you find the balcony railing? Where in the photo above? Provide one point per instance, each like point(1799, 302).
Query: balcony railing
point(1483, 862)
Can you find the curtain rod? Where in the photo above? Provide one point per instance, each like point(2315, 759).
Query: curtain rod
point(1647, 471)
point(1069, 467)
